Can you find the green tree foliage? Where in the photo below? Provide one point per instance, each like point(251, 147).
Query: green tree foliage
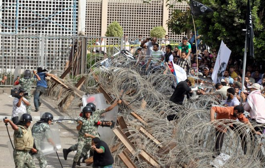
point(180, 22)
point(158, 32)
point(226, 23)
point(114, 30)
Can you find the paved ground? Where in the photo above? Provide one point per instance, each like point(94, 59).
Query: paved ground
point(68, 132)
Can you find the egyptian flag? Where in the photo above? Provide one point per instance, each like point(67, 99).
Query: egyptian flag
point(198, 8)
point(250, 32)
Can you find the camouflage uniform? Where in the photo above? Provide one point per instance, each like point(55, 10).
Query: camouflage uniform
point(26, 84)
point(84, 143)
point(21, 155)
point(41, 131)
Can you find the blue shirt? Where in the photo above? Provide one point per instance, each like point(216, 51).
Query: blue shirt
point(233, 102)
point(42, 82)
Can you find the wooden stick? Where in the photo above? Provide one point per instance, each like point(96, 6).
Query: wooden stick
point(148, 158)
point(106, 95)
point(115, 147)
point(123, 125)
point(124, 140)
point(138, 118)
point(126, 160)
point(142, 130)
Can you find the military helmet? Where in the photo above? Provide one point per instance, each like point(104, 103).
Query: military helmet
point(92, 106)
point(25, 118)
point(85, 110)
point(27, 74)
point(46, 117)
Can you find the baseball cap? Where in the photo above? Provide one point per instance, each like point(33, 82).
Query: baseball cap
point(255, 86)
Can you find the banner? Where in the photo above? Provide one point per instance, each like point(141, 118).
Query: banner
point(221, 63)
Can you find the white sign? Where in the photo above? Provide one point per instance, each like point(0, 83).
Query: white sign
point(221, 63)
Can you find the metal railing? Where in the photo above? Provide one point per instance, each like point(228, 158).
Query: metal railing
point(21, 52)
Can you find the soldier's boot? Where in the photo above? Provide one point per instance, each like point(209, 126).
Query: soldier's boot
point(78, 162)
point(84, 158)
point(66, 152)
point(74, 164)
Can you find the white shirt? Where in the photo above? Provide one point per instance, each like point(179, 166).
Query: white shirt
point(171, 58)
point(126, 45)
point(223, 92)
point(149, 46)
point(96, 48)
point(255, 105)
point(103, 48)
point(18, 111)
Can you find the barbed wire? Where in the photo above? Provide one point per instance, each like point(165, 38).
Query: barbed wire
point(188, 140)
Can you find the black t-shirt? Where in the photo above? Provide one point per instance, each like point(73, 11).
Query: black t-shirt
point(167, 55)
point(180, 91)
point(102, 159)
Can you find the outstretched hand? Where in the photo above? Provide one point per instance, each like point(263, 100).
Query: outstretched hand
point(6, 120)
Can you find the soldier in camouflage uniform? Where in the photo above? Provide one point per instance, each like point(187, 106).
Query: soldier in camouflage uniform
point(26, 83)
point(23, 142)
point(41, 131)
point(87, 130)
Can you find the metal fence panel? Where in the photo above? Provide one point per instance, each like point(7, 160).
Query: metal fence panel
point(30, 52)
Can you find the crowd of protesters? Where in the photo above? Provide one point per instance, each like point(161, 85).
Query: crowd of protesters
point(202, 64)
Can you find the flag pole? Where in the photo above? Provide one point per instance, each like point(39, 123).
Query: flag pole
point(244, 64)
point(195, 34)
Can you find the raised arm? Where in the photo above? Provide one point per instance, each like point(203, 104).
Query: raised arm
point(116, 102)
point(37, 76)
point(14, 126)
point(143, 42)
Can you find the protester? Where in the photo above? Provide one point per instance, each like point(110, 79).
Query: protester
point(233, 74)
point(221, 90)
point(96, 48)
point(102, 155)
point(168, 55)
point(232, 113)
point(184, 63)
point(255, 105)
point(231, 98)
point(149, 42)
point(157, 55)
point(185, 46)
point(165, 42)
point(182, 89)
point(41, 86)
point(20, 104)
point(103, 49)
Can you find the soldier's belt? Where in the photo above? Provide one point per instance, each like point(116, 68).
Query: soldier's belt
point(22, 150)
